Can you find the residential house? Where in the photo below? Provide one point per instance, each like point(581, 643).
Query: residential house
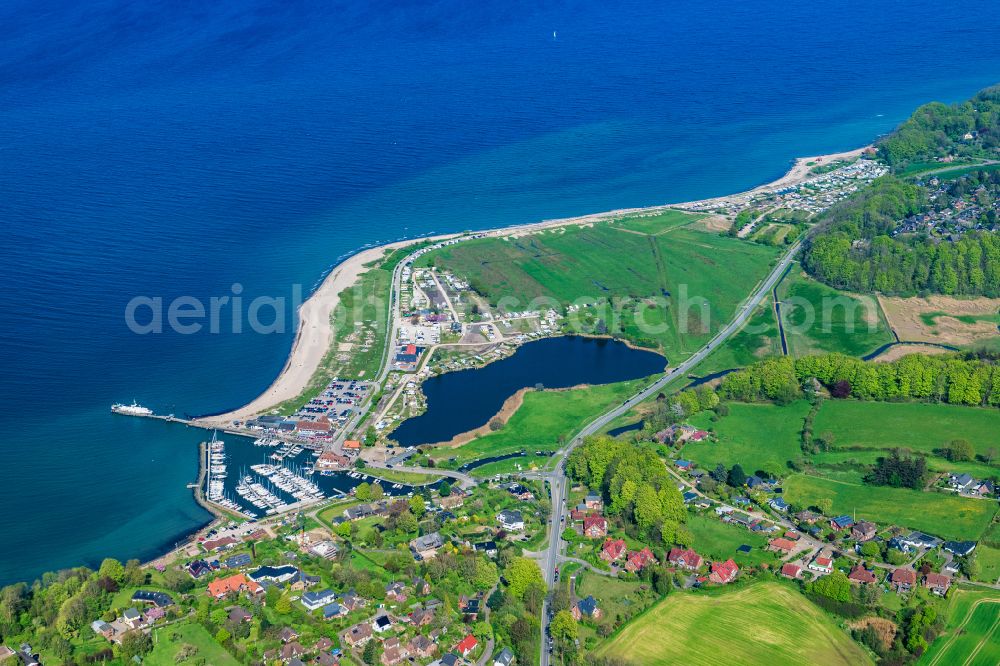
point(613, 550)
point(238, 614)
point(863, 531)
point(333, 610)
point(920, 540)
point(274, 574)
point(639, 560)
point(983, 488)
point(158, 599)
point(352, 601)
point(395, 591)
point(421, 616)
point(504, 658)
point(324, 643)
point(781, 545)
point(586, 608)
point(381, 624)
point(100, 627)
point(315, 600)
point(959, 548)
point(291, 650)
point(288, 635)
point(841, 522)
point(684, 558)
point(937, 583)
point(332, 460)
point(593, 501)
point(689, 496)
point(392, 655)
point(326, 549)
point(466, 645)
point(723, 572)
point(198, 568)
point(452, 501)
point(903, 579)
point(214, 545)
point(779, 504)
point(236, 583)
point(240, 561)
point(861, 575)
point(961, 482)
point(807, 517)
point(359, 634)
point(790, 570)
point(511, 521)
point(595, 527)
point(133, 618)
point(425, 547)
point(422, 647)
point(488, 548)
point(683, 465)
point(422, 588)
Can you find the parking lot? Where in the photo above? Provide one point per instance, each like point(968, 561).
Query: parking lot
point(337, 402)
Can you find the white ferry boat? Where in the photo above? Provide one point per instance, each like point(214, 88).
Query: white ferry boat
point(135, 409)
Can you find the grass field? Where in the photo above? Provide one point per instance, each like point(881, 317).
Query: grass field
point(972, 634)
point(988, 558)
point(659, 223)
point(757, 340)
point(755, 436)
point(680, 287)
point(887, 425)
point(818, 318)
point(715, 540)
point(544, 421)
point(168, 642)
point(766, 623)
point(942, 515)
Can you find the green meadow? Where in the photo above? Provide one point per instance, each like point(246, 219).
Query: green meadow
point(716, 540)
point(757, 436)
point(819, 319)
point(673, 290)
point(940, 514)
point(972, 631)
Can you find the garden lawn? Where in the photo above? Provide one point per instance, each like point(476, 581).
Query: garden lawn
point(757, 436)
point(543, 422)
point(943, 515)
point(988, 559)
point(885, 425)
point(186, 632)
point(765, 623)
point(818, 318)
point(716, 540)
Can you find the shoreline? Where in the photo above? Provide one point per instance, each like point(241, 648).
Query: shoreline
point(314, 334)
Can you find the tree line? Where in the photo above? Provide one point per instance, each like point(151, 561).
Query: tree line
point(954, 379)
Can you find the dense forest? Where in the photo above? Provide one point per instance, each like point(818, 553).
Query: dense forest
point(960, 380)
point(854, 250)
point(968, 129)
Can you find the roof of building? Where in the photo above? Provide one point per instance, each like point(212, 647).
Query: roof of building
point(862, 575)
point(789, 569)
point(587, 606)
point(902, 575)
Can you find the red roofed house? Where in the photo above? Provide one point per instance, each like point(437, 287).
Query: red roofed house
point(791, 570)
point(236, 583)
point(595, 527)
point(904, 579)
point(613, 550)
point(861, 575)
point(466, 645)
point(218, 544)
point(723, 572)
point(331, 460)
point(685, 559)
point(577, 514)
point(323, 425)
point(937, 583)
point(698, 435)
point(637, 560)
point(781, 544)
point(352, 445)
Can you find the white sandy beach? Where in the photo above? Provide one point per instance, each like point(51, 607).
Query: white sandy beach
point(315, 332)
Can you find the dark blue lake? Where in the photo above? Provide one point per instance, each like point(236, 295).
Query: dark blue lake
point(461, 401)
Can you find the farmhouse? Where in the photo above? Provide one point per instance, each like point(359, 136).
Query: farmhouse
point(613, 550)
point(822, 563)
point(723, 572)
point(684, 558)
point(961, 482)
point(904, 579)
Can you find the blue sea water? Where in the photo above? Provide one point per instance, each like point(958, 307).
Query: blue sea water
point(165, 149)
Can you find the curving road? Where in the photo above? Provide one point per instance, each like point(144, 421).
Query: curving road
point(557, 478)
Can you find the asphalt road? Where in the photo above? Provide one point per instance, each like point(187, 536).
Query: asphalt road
point(557, 478)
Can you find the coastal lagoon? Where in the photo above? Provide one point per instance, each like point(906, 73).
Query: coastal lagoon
point(466, 399)
point(151, 149)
